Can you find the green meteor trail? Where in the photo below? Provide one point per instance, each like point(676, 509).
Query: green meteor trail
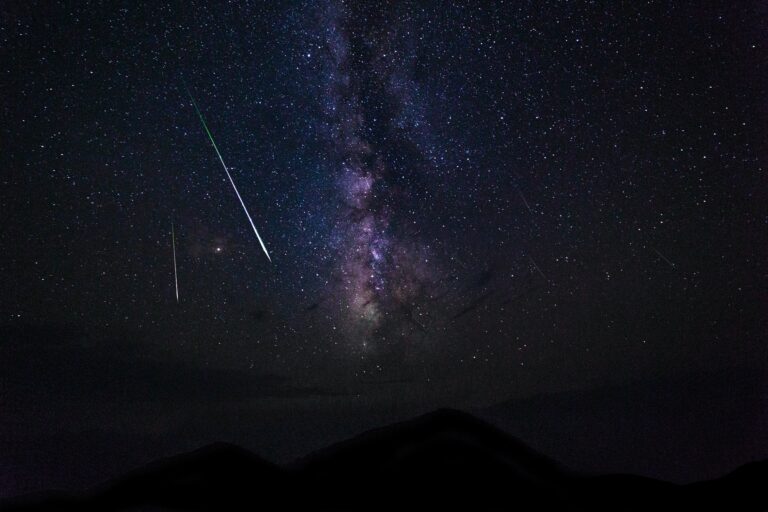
point(234, 187)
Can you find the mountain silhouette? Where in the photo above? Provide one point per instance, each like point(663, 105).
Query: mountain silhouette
point(682, 428)
point(445, 460)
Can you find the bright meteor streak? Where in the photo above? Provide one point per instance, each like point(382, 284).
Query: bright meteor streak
point(234, 187)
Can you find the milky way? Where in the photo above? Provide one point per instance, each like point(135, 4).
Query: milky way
point(464, 202)
point(522, 195)
point(384, 272)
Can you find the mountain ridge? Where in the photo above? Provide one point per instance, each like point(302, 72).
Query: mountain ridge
point(446, 459)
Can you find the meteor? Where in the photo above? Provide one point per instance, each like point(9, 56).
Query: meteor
point(664, 258)
point(525, 202)
point(538, 269)
point(226, 170)
point(175, 272)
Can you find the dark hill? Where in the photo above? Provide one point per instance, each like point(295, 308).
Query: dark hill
point(700, 426)
point(446, 460)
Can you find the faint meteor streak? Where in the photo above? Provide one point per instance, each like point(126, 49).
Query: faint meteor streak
point(226, 170)
point(175, 272)
point(538, 269)
point(525, 201)
point(664, 258)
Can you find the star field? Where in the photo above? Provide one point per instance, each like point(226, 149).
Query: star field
point(463, 202)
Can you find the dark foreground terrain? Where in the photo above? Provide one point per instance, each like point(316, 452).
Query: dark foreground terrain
point(446, 460)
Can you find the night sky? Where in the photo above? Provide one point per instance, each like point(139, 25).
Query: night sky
point(465, 203)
